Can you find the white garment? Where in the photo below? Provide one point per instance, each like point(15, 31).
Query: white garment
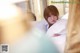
point(65, 16)
point(42, 25)
point(58, 28)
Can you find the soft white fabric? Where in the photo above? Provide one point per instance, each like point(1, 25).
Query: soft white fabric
point(58, 28)
point(42, 25)
point(65, 16)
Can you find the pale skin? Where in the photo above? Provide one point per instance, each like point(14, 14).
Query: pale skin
point(52, 19)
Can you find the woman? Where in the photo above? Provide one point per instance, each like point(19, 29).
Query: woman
point(20, 36)
point(51, 15)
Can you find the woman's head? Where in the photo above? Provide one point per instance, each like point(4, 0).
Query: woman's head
point(51, 14)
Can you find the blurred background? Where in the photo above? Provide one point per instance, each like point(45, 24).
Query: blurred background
point(38, 6)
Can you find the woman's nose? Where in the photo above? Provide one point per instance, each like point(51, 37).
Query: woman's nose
point(52, 17)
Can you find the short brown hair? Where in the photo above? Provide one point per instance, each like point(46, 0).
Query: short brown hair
point(50, 10)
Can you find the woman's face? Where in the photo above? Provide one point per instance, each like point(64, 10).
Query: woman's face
point(52, 19)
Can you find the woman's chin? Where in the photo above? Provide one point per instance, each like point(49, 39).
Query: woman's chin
point(52, 23)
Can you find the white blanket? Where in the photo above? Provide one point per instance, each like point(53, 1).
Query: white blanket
point(58, 28)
